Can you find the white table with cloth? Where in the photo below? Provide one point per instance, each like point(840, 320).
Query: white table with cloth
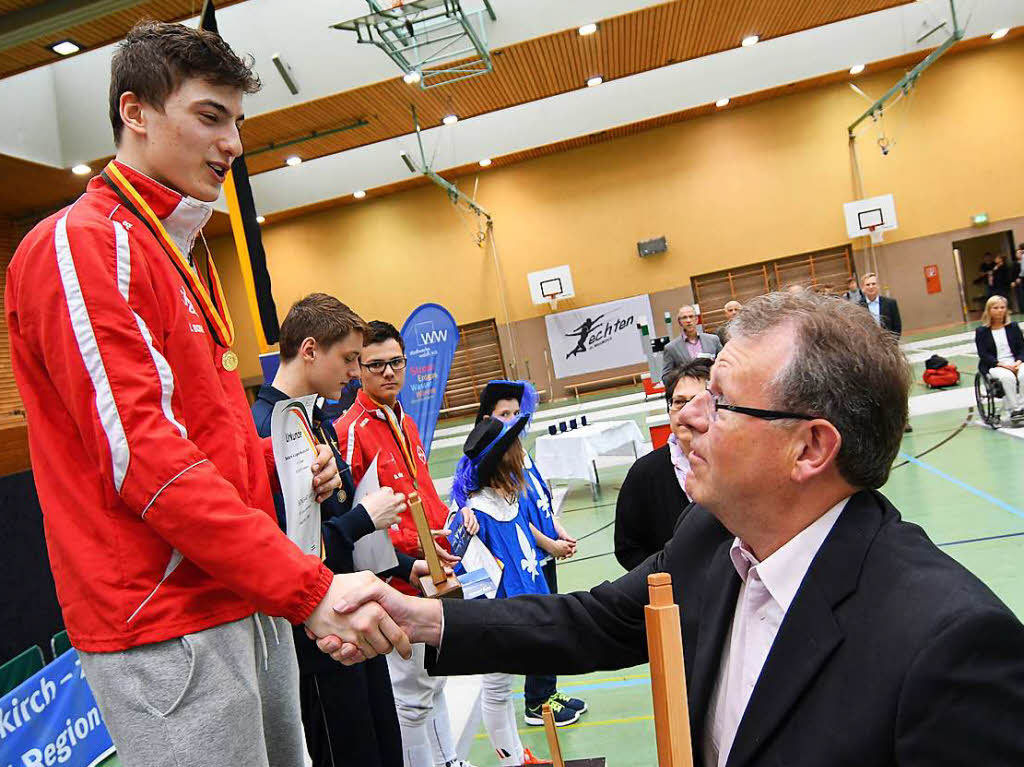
point(573, 454)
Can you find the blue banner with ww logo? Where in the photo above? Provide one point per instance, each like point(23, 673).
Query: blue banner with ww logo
point(430, 336)
point(52, 718)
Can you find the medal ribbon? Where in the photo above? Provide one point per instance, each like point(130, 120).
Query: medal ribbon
point(211, 302)
point(400, 437)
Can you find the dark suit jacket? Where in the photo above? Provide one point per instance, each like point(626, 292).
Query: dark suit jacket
point(888, 313)
point(649, 504)
point(986, 344)
point(676, 352)
point(890, 654)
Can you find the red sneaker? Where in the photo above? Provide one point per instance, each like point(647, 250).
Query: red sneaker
point(529, 758)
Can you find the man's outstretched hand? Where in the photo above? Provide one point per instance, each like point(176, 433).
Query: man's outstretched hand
point(364, 625)
point(420, 619)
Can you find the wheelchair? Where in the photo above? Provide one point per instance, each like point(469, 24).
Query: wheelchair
point(988, 395)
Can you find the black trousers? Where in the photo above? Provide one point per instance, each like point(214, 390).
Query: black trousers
point(349, 718)
point(539, 687)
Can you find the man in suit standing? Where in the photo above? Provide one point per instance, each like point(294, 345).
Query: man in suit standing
point(731, 309)
point(885, 310)
point(818, 627)
point(690, 344)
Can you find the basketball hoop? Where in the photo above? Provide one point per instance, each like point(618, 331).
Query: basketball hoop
point(552, 299)
point(875, 233)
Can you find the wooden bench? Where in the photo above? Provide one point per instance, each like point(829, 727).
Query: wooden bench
point(604, 383)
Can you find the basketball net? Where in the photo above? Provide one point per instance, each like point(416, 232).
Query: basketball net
point(875, 234)
point(552, 300)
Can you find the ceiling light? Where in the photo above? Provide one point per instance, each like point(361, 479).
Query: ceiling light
point(412, 77)
point(359, 194)
point(81, 170)
point(450, 119)
point(750, 40)
point(65, 48)
point(485, 162)
point(587, 29)
point(293, 160)
point(260, 219)
point(856, 69)
point(595, 80)
point(1000, 33)
point(722, 103)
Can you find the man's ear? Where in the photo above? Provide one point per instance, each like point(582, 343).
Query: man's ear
point(308, 349)
point(133, 113)
point(818, 450)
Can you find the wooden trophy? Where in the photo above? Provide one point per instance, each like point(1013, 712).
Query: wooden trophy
point(438, 585)
point(557, 760)
point(668, 677)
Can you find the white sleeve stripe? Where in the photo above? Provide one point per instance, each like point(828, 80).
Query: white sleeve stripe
point(351, 442)
point(81, 324)
point(168, 483)
point(163, 370)
point(124, 260)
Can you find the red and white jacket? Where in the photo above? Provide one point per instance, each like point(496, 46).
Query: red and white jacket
point(153, 482)
point(364, 433)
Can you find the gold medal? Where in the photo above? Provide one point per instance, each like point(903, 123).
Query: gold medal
point(342, 496)
point(229, 360)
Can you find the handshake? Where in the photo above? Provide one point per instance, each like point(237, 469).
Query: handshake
point(361, 617)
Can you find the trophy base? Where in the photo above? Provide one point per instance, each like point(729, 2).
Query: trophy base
point(450, 589)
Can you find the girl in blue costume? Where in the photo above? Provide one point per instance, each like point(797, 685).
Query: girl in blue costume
point(490, 479)
point(505, 401)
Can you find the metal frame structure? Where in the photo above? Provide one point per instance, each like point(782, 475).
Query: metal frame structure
point(435, 40)
point(908, 80)
point(455, 194)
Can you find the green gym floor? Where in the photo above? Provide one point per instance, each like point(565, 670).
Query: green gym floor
point(964, 486)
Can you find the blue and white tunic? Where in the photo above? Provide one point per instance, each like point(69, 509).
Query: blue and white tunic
point(537, 503)
point(505, 530)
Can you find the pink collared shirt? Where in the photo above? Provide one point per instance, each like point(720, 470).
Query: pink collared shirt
point(679, 460)
point(767, 590)
point(693, 347)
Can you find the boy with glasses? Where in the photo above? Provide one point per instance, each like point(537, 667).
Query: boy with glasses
point(376, 428)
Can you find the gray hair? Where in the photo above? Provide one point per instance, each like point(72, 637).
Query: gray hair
point(845, 369)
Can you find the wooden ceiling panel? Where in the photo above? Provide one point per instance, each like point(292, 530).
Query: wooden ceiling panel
point(101, 31)
point(539, 68)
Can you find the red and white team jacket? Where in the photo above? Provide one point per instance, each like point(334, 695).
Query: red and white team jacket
point(153, 482)
point(363, 433)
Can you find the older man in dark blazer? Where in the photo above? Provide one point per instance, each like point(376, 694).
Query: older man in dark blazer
point(690, 343)
point(819, 628)
point(885, 310)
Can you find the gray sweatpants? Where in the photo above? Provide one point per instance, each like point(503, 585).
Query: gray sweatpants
point(228, 695)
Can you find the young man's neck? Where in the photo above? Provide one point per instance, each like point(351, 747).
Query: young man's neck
point(389, 401)
point(135, 159)
point(292, 380)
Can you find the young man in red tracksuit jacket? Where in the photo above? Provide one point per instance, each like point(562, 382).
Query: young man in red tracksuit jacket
point(154, 534)
point(376, 427)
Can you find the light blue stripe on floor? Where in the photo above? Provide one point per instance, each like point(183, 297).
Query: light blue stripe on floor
point(961, 484)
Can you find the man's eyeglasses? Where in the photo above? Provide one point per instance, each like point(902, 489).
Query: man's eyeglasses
point(377, 366)
point(716, 402)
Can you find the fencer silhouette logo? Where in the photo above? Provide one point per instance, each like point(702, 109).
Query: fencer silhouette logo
point(590, 334)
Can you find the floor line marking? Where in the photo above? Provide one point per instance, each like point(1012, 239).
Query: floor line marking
point(602, 723)
point(963, 485)
point(985, 538)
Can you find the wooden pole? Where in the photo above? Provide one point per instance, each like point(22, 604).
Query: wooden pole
point(668, 675)
point(549, 729)
point(439, 584)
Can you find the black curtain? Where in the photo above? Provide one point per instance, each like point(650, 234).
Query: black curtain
point(29, 613)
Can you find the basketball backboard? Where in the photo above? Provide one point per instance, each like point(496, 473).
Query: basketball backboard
point(870, 216)
point(548, 286)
